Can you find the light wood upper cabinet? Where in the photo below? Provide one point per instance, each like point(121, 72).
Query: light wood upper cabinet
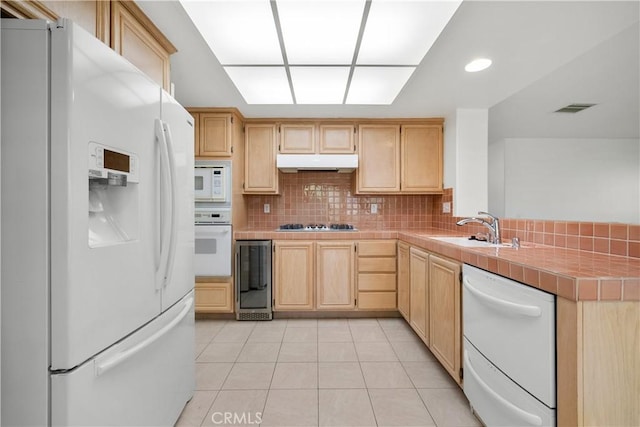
point(299, 138)
point(419, 289)
point(135, 37)
point(403, 280)
point(293, 275)
point(335, 278)
point(119, 24)
point(215, 137)
point(92, 15)
point(421, 166)
point(261, 175)
point(337, 138)
point(379, 159)
point(317, 138)
point(445, 336)
point(399, 159)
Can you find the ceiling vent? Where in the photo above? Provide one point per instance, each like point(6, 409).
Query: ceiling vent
point(574, 108)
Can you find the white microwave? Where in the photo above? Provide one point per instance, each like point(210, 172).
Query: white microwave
point(212, 182)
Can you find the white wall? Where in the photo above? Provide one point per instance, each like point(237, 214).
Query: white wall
point(496, 178)
point(465, 160)
point(568, 179)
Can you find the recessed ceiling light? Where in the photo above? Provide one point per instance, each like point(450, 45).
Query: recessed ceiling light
point(477, 65)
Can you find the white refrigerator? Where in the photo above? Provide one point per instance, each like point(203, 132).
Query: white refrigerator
point(97, 235)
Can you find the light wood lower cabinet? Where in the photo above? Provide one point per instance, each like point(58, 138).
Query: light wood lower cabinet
point(403, 281)
point(598, 371)
point(435, 307)
point(418, 279)
point(377, 275)
point(213, 297)
point(293, 275)
point(335, 281)
point(445, 337)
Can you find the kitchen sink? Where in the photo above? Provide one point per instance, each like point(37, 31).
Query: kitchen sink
point(464, 241)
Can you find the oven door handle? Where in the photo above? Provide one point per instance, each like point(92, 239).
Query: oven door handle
point(203, 234)
point(503, 305)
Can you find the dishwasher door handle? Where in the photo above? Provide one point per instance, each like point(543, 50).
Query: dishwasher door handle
point(503, 305)
point(529, 418)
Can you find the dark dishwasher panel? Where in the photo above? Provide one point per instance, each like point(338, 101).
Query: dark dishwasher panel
point(253, 280)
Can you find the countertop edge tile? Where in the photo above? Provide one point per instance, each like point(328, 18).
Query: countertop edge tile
point(568, 273)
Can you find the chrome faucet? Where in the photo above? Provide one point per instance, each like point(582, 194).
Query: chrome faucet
point(493, 225)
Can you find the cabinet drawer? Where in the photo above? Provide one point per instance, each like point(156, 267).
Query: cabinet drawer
point(377, 248)
point(376, 300)
point(376, 282)
point(383, 265)
point(214, 298)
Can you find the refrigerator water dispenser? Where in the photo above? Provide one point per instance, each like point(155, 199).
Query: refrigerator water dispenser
point(113, 196)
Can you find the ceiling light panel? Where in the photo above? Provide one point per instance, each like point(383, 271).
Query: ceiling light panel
point(261, 85)
point(319, 85)
point(320, 32)
point(238, 32)
point(402, 32)
point(377, 85)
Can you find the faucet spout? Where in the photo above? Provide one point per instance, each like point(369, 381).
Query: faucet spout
point(493, 225)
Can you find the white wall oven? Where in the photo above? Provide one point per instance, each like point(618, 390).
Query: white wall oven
point(213, 241)
point(213, 236)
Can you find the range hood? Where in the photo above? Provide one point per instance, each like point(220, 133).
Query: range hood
point(292, 163)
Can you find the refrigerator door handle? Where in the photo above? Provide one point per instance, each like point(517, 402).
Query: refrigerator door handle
point(173, 234)
point(166, 209)
point(127, 354)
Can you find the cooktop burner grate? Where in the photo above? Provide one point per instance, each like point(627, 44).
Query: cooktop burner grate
point(317, 227)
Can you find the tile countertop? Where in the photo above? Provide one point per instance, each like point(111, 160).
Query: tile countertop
point(569, 273)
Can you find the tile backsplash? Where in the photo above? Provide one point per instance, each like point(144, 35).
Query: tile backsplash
point(598, 237)
point(328, 198)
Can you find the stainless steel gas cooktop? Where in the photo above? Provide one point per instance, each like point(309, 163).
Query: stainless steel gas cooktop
point(317, 227)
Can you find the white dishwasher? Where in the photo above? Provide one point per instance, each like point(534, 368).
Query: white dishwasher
point(509, 350)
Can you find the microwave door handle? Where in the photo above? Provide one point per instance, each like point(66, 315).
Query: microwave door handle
point(165, 208)
point(173, 203)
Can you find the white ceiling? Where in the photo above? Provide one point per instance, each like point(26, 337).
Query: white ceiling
point(528, 42)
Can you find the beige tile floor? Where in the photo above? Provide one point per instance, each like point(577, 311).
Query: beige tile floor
point(325, 372)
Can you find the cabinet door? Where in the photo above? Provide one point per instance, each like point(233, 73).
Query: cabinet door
point(135, 37)
point(335, 267)
point(403, 280)
point(337, 139)
point(214, 297)
point(419, 276)
point(379, 159)
point(293, 275)
point(421, 147)
point(260, 173)
point(297, 138)
point(92, 15)
point(215, 134)
point(444, 313)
